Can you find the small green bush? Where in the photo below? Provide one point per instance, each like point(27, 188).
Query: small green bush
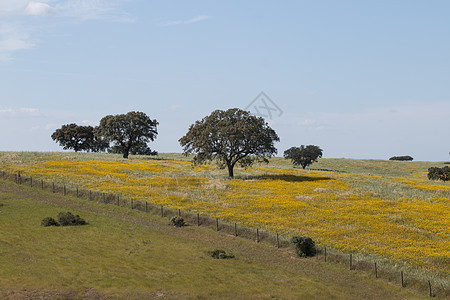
point(220, 254)
point(435, 173)
point(304, 246)
point(49, 221)
point(177, 221)
point(68, 219)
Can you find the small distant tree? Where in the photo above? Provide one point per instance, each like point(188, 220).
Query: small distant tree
point(402, 158)
point(73, 136)
point(303, 155)
point(230, 137)
point(128, 131)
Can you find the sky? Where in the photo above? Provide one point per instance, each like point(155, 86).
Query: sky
point(360, 79)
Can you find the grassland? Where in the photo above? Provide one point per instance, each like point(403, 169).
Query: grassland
point(383, 211)
point(126, 254)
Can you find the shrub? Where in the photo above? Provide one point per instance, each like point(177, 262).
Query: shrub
point(402, 158)
point(49, 221)
point(177, 221)
point(68, 219)
point(304, 246)
point(435, 173)
point(220, 254)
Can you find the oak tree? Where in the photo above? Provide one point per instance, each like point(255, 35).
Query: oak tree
point(73, 136)
point(230, 137)
point(303, 155)
point(128, 131)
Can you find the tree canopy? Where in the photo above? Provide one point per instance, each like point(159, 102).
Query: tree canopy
point(435, 173)
point(303, 155)
point(73, 136)
point(128, 132)
point(230, 137)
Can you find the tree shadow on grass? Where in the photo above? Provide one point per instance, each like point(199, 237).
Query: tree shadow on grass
point(285, 177)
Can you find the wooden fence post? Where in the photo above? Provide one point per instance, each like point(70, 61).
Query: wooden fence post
point(198, 219)
point(53, 187)
point(64, 190)
point(217, 224)
point(146, 206)
point(257, 235)
point(429, 286)
point(118, 200)
point(278, 242)
point(103, 195)
point(376, 271)
point(401, 274)
point(179, 212)
point(235, 229)
point(77, 192)
point(350, 261)
point(162, 211)
point(31, 181)
point(131, 201)
point(42, 184)
point(325, 254)
point(90, 195)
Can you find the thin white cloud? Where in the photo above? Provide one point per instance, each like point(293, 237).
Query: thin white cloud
point(38, 9)
point(13, 38)
point(19, 112)
point(94, 10)
point(180, 22)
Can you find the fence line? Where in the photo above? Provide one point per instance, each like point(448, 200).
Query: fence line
point(202, 220)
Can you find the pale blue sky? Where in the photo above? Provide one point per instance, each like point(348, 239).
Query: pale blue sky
point(361, 79)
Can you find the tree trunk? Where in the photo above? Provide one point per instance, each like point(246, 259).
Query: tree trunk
point(230, 170)
point(125, 154)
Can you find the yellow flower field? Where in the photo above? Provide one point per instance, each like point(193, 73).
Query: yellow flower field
point(402, 218)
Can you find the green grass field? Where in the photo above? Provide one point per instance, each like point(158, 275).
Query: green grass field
point(129, 254)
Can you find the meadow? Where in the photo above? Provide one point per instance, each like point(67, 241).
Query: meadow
point(385, 211)
point(129, 254)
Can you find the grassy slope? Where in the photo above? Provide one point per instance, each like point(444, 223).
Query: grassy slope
point(125, 254)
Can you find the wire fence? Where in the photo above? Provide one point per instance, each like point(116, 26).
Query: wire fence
point(325, 254)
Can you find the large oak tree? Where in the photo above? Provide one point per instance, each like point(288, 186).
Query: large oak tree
point(128, 131)
point(230, 137)
point(73, 136)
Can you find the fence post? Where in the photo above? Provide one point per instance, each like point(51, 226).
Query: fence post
point(90, 195)
point(131, 201)
point(64, 190)
point(179, 212)
point(118, 199)
point(198, 219)
point(103, 195)
point(278, 242)
point(235, 229)
point(162, 211)
point(42, 184)
point(401, 274)
point(19, 179)
point(146, 206)
point(257, 235)
point(325, 254)
point(429, 286)
point(217, 224)
point(350, 261)
point(77, 192)
point(53, 187)
point(376, 272)
point(31, 181)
